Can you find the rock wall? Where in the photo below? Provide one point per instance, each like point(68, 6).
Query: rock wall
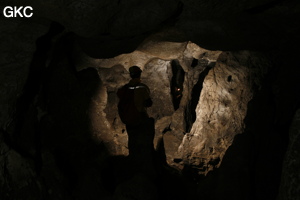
point(221, 110)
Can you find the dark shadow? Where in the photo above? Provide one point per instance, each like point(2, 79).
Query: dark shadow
point(263, 8)
point(32, 85)
point(53, 126)
point(195, 62)
point(191, 109)
point(156, 178)
point(140, 143)
point(24, 133)
point(66, 128)
point(177, 83)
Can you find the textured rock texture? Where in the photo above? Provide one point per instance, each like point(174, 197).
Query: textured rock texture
point(221, 110)
point(157, 74)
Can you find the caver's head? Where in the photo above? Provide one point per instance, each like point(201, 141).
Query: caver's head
point(135, 72)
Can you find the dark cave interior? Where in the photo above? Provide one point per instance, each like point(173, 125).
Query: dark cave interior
point(64, 137)
point(177, 83)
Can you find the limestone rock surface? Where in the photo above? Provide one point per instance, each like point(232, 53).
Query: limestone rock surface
point(220, 112)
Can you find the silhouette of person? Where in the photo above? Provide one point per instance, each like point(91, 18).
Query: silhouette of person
point(142, 99)
point(141, 134)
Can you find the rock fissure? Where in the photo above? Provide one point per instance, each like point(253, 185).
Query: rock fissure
point(177, 83)
point(196, 92)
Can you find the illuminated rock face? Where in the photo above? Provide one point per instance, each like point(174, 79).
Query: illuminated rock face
point(220, 112)
point(224, 82)
point(162, 75)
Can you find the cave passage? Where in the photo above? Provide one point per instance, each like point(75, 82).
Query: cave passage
point(177, 83)
point(226, 139)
